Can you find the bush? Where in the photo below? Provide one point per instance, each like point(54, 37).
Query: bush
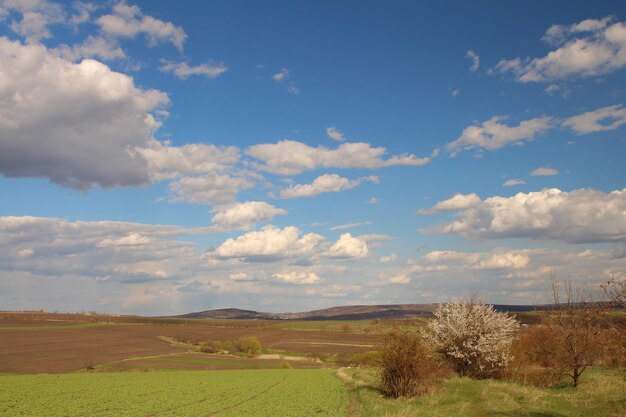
point(248, 345)
point(534, 358)
point(472, 337)
point(371, 359)
point(409, 367)
point(285, 365)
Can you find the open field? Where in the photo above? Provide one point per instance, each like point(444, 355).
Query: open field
point(256, 393)
point(204, 361)
point(602, 393)
point(38, 345)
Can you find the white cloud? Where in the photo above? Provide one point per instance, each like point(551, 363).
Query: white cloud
point(456, 202)
point(35, 17)
point(334, 134)
point(579, 216)
point(270, 242)
point(349, 225)
point(600, 120)
point(392, 257)
point(544, 172)
point(497, 260)
point(586, 49)
point(168, 162)
point(83, 12)
point(297, 277)
point(212, 188)
point(400, 279)
point(245, 215)
point(494, 134)
point(281, 75)
point(513, 181)
point(94, 46)
point(473, 56)
point(127, 21)
point(289, 157)
point(326, 183)
point(348, 247)
point(131, 239)
point(373, 200)
point(118, 251)
point(182, 70)
point(76, 124)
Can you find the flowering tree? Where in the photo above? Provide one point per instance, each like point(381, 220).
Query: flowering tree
point(472, 337)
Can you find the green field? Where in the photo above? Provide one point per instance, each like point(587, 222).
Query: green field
point(602, 393)
point(257, 393)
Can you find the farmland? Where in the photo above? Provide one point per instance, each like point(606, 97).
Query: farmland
point(133, 366)
point(174, 393)
point(61, 343)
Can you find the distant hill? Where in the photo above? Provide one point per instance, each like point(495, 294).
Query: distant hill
point(358, 312)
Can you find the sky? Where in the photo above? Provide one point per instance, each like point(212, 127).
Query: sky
point(294, 155)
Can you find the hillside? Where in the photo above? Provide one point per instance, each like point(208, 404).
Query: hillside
point(356, 312)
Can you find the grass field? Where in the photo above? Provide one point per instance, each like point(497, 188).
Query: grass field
point(602, 393)
point(286, 393)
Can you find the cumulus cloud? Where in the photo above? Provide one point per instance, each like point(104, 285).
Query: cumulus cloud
point(334, 134)
point(118, 251)
point(270, 242)
point(127, 21)
point(326, 183)
point(168, 162)
point(473, 56)
point(494, 134)
point(76, 124)
point(600, 120)
point(513, 181)
point(590, 48)
point(245, 215)
point(348, 247)
point(212, 188)
point(183, 70)
point(297, 277)
point(456, 202)
point(578, 216)
point(544, 172)
point(288, 157)
point(484, 260)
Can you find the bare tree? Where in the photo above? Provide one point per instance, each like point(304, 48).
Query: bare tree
point(575, 321)
point(615, 290)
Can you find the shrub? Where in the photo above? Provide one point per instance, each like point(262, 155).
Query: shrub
point(248, 345)
point(533, 358)
point(285, 365)
point(409, 367)
point(472, 337)
point(365, 359)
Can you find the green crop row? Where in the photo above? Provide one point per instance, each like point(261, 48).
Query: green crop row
point(258, 393)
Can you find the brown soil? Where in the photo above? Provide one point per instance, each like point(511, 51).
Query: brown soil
point(58, 350)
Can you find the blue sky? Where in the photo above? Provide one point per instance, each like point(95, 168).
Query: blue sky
point(286, 156)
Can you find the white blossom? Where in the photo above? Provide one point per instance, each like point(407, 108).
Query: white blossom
point(472, 336)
